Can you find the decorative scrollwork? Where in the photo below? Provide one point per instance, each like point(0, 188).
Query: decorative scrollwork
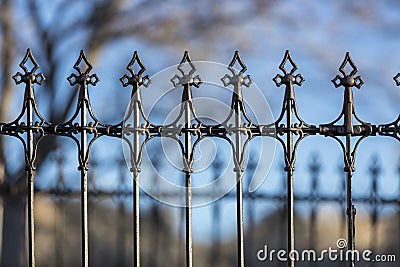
point(131, 126)
point(186, 78)
point(71, 127)
point(34, 122)
point(238, 111)
point(348, 112)
point(348, 80)
point(135, 78)
point(392, 129)
point(289, 108)
point(237, 78)
point(29, 75)
point(288, 77)
point(187, 112)
point(348, 128)
point(83, 67)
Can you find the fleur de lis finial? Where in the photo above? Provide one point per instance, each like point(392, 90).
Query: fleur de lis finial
point(29, 75)
point(288, 77)
point(186, 78)
point(348, 80)
point(237, 78)
point(83, 71)
point(135, 78)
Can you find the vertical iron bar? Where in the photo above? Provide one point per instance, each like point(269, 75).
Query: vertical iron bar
point(343, 202)
point(237, 80)
point(31, 219)
point(290, 185)
point(136, 80)
point(188, 182)
point(189, 241)
point(30, 175)
point(348, 81)
point(289, 106)
point(251, 168)
point(239, 187)
point(350, 210)
point(84, 189)
point(29, 78)
point(83, 79)
point(136, 188)
point(349, 168)
point(398, 206)
point(283, 208)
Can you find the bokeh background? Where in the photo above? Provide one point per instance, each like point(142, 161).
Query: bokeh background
point(318, 34)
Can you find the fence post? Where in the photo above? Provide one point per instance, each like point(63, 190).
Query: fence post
point(187, 109)
point(289, 79)
point(83, 79)
point(135, 110)
point(237, 107)
point(30, 144)
point(348, 130)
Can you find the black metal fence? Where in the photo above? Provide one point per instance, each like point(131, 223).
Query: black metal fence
point(289, 129)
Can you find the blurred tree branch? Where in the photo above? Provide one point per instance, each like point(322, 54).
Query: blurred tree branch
point(7, 44)
point(100, 22)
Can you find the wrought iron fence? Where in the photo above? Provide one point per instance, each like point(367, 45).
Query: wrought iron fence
point(289, 129)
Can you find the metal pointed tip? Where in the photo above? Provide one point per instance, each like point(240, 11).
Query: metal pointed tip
point(29, 54)
point(135, 57)
point(186, 57)
point(287, 54)
point(348, 56)
point(237, 60)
